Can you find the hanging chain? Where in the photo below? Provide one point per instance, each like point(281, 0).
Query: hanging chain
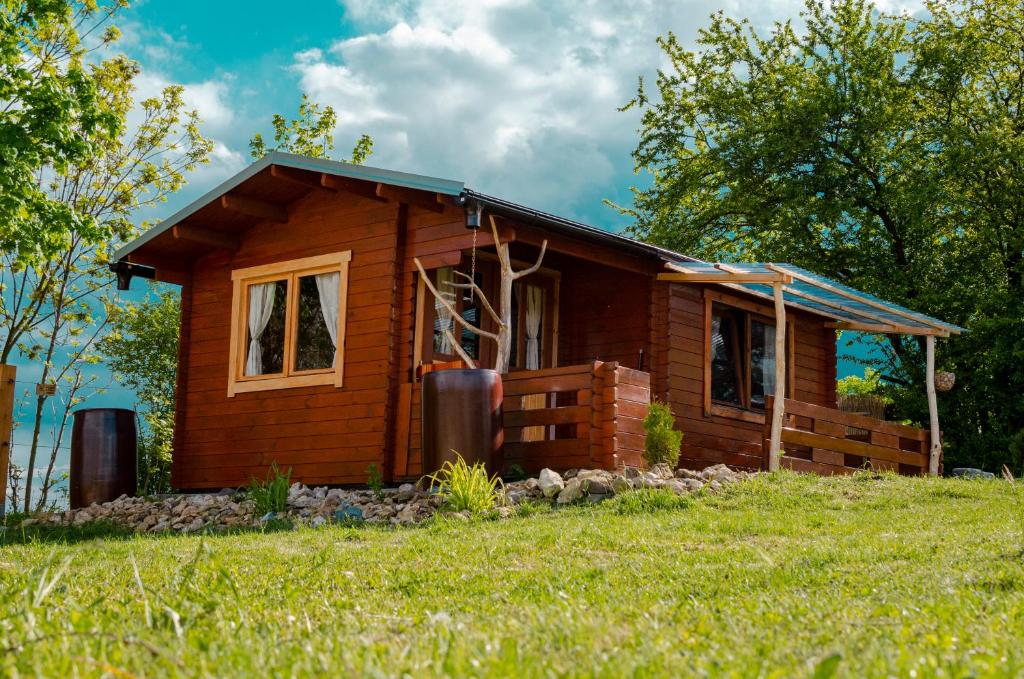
point(472, 263)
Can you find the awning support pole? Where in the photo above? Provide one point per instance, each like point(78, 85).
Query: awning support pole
point(779, 404)
point(933, 408)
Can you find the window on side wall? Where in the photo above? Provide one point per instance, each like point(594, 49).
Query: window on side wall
point(288, 324)
point(741, 358)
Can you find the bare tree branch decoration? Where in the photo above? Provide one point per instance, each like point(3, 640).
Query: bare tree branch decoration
point(502, 316)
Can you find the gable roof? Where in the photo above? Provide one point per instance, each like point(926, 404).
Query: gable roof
point(807, 291)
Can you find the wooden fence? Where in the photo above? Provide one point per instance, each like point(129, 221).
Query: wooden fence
point(591, 415)
point(826, 441)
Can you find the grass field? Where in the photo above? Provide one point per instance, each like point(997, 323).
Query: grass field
point(780, 576)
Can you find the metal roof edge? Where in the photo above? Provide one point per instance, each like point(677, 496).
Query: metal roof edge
point(364, 172)
point(549, 220)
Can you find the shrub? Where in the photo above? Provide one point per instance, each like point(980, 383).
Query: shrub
point(466, 487)
point(375, 481)
point(515, 472)
point(662, 444)
point(271, 494)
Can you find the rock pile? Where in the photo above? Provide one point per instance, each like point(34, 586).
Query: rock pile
point(404, 505)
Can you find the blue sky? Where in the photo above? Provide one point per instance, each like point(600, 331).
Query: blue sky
point(516, 98)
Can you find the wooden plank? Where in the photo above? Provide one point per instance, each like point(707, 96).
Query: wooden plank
point(426, 201)
point(196, 234)
point(546, 385)
point(545, 449)
point(403, 416)
point(885, 440)
point(547, 416)
point(798, 465)
point(744, 278)
point(8, 373)
point(829, 457)
point(812, 440)
point(367, 190)
point(254, 208)
point(853, 420)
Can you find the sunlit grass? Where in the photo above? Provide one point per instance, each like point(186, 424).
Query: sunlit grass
point(780, 576)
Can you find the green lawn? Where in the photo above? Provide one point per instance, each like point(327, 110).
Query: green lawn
point(780, 576)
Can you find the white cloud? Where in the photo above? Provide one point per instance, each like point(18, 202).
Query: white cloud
point(514, 97)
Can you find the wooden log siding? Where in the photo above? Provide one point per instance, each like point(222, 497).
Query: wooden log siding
point(323, 434)
point(600, 424)
point(827, 441)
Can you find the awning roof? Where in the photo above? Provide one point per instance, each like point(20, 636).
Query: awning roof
point(849, 308)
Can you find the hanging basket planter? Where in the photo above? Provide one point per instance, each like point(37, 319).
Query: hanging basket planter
point(944, 381)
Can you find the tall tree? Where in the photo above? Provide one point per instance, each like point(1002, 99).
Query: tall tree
point(311, 134)
point(50, 117)
point(838, 146)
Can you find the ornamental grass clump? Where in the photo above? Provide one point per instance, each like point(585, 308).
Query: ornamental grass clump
point(465, 487)
point(663, 441)
point(271, 494)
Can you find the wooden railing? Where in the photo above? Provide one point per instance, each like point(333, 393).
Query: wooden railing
point(826, 441)
point(587, 415)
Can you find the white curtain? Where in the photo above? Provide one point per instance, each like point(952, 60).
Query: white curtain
point(442, 343)
point(328, 285)
point(534, 311)
point(261, 306)
point(768, 364)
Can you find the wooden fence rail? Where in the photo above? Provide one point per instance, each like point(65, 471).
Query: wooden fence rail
point(826, 441)
point(591, 415)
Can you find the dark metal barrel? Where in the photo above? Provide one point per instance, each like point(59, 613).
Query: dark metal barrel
point(462, 413)
point(103, 455)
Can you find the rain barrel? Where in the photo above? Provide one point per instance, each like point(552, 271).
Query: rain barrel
point(103, 455)
point(462, 414)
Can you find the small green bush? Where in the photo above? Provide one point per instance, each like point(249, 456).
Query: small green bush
point(466, 487)
point(271, 494)
point(375, 481)
point(663, 441)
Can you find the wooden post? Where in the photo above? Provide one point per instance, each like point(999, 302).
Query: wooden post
point(779, 404)
point(7, 385)
point(933, 408)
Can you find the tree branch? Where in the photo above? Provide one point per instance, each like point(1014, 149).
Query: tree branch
point(458, 349)
point(536, 265)
point(471, 285)
point(447, 305)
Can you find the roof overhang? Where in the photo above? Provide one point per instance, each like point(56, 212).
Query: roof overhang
point(847, 308)
point(360, 173)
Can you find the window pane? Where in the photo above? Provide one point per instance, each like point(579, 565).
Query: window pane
point(513, 357)
point(471, 309)
point(726, 376)
point(442, 319)
point(265, 328)
point(317, 321)
point(762, 362)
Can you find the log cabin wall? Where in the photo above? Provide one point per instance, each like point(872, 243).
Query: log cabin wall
point(324, 434)
point(604, 314)
point(712, 439)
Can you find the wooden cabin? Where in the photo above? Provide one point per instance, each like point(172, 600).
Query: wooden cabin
point(305, 329)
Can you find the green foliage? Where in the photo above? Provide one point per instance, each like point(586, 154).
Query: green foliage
point(375, 481)
point(142, 352)
point(465, 487)
point(871, 148)
point(773, 579)
point(270, 494)
point(663, 441)
point(311, 134)
point(514, 472)
point(52, 117)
